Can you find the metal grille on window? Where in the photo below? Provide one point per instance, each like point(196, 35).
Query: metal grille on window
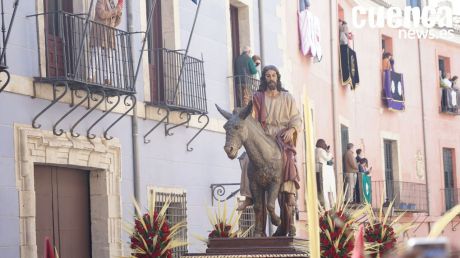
point(247, 219)
point(176, 213)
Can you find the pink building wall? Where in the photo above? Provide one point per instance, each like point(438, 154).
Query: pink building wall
point(369, 121)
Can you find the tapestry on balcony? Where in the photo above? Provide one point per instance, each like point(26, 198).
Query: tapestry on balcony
point(393, 90)
point(367, 188)
point(309, 35)
point(349, 67)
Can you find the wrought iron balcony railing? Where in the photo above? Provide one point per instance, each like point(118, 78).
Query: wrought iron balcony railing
point(93, 54)
point(450, 197)
point(244, 86)
point(450, 101)
point(408, 197)
point(176, 87)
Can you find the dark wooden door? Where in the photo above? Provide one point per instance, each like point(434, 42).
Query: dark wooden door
point(449, 182)
point(63, 210)
point(234, 23)
point(389, 178)
point(56, 27)
point(155, 43)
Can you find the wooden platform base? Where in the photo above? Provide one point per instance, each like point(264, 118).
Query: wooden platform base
point(255, 247)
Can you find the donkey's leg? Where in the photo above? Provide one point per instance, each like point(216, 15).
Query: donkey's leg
point(272, 195)
point(258, 199)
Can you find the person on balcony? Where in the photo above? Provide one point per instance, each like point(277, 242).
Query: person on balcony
point(351, 170)
point(257, 61)
point(387, 62)
point(325, 176)
point(449, 96)
point(102, 40)
point(244, 69)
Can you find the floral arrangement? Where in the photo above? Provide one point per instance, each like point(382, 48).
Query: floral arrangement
point(381, 230)
point(151, 235)
point(223, 227)
point(337, 229)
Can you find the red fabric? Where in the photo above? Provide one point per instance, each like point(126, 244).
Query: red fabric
point(259, 108)
point(49, 252)
point(289, 152)
point(358, 251)
point(120, 3)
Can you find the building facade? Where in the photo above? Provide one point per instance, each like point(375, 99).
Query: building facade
point(167, 135)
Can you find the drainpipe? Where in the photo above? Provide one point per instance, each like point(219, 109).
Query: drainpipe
point(134, 125)
point(262, 63)
point(261, 33)
point(333, 85)
point(423, 127)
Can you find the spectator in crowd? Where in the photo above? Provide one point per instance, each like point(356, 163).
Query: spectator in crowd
point(445, 81)
point(257, 61)
point(325, 176)
point(358, 155)
point(344, 34)
point(386, 62)
point(453, 81)
point(244, 69)
point(351, 170)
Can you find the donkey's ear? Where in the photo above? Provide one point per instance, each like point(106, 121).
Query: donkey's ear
point(245, 112)
point(224, 113)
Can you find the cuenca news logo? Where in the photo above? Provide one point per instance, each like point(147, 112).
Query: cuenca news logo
point(412, 22)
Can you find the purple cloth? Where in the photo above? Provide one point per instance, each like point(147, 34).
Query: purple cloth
point(393, 88)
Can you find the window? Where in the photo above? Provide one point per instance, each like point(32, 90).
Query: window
point(345, 140)
point(176, 212)
point(444, 66)
point(450, 194)
point(155, 43)
point(392, 184)
point(387, 44)
point(247, 219)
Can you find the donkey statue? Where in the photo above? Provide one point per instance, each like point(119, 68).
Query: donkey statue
point(265, 162)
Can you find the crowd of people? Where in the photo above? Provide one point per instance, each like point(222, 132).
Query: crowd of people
point(356, 168)
point(450, 93)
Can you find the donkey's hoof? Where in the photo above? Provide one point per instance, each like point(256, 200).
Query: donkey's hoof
point(276, 220)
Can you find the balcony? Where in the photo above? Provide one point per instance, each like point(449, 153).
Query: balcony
point(5, 79)
point(449, 101)
point(408, 197)
point(244, 86)
point(84, 55)
point(450, 197)
point(177, 83)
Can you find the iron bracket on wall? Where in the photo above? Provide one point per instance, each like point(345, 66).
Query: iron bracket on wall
point(91, 136)
point(218, 192)
point(201, 129)
point(125, 101)
point(93, 98)
point(189, 116)
point(53, 102)
point(165, 118)
point(83, 99)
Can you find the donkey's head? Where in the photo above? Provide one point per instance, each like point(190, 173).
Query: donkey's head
point(236, 129)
